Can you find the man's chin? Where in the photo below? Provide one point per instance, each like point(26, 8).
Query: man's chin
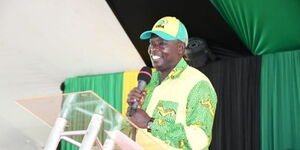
point(157, 67)
point(157, 64)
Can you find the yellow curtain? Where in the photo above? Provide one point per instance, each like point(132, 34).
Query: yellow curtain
point(129, 82)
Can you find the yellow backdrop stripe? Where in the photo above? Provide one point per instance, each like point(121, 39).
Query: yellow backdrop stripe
point(129, 82)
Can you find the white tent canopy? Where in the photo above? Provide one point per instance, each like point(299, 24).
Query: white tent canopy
point(44, 42)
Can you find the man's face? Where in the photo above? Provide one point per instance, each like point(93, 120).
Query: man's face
point(164, 54)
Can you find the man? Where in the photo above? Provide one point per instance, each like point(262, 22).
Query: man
point(178, 105)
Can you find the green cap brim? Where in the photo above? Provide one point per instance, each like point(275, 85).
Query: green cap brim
point(147, 35)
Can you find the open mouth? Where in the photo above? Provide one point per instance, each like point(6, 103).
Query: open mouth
point(155, 57)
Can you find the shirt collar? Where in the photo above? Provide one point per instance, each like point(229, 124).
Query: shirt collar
point(175, 73)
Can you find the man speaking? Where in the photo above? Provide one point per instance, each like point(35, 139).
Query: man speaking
point(177, 106)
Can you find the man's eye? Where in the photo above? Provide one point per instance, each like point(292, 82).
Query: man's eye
point(162, 43)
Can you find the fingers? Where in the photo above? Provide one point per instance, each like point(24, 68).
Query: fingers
point(134, 95)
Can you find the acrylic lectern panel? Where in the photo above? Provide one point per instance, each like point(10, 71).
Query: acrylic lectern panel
point(78, 109)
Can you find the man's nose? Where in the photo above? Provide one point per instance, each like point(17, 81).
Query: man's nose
point(154, 48)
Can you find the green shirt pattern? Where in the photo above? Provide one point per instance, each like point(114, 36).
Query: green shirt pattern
point(200, 109)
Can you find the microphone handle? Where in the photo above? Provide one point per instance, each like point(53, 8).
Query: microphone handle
point(132, 108)
point(141, 84)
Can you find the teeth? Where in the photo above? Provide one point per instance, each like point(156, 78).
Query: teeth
point(155, 57)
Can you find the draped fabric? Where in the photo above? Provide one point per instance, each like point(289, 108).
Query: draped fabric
point(265, 26)
point(280, 101)
point(107, 86)
point(258, 100)
point(236, 125)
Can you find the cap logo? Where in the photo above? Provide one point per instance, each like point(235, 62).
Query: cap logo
point(161, 24)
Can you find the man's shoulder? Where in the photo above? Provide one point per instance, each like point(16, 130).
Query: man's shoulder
point(194, 73)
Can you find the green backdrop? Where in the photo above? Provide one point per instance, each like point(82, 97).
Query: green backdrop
point(107, 86)
point(265, 26)
point(280, 101)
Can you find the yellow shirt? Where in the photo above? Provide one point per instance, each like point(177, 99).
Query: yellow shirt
point(183, 106)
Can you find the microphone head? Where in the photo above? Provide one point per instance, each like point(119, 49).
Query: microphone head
point(145, 74)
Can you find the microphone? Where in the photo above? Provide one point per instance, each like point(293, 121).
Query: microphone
point(144, 78)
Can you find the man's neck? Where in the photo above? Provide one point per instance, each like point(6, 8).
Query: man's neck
point(165, 73)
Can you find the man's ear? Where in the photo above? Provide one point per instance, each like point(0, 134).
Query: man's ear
point(181, 48)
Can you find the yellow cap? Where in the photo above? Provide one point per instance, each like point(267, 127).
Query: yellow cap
point(168, 28)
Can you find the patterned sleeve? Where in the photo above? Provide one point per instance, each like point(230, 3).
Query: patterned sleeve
point(201, 107)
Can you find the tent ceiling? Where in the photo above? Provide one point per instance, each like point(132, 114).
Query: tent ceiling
point(44, 42)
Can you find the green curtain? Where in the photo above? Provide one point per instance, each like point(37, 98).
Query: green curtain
point(280, 101)
point(107, 86)
point(265, 26)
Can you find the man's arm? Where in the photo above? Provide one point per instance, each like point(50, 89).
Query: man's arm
point(201, 106)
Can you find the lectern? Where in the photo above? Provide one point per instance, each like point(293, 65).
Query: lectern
point(85, 120)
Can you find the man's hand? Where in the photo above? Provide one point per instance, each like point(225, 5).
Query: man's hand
point(140, 118)
point(135, 95)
